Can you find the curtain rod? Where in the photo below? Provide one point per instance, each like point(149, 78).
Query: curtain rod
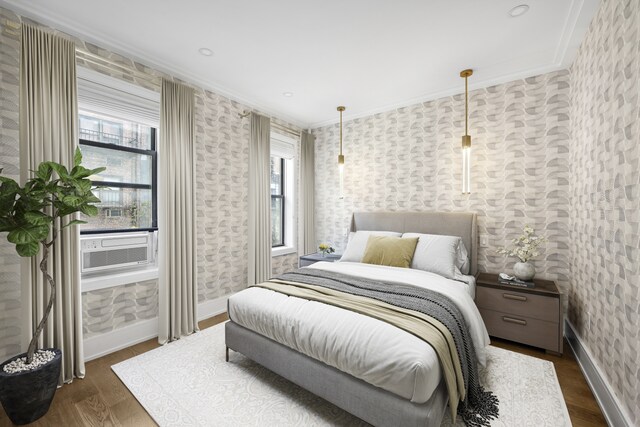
point(107, 63)
point(157, 81)
point(290, 130)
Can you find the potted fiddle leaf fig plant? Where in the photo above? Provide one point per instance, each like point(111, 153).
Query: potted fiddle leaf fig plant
point(32, 215)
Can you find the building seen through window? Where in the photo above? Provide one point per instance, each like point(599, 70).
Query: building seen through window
point(277, 201)
point(127, 188)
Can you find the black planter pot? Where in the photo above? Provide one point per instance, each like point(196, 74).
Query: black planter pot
point(26, 395)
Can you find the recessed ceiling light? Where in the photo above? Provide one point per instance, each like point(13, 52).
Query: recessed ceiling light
point(287, 94)
point(206, 52)
point(519, 10)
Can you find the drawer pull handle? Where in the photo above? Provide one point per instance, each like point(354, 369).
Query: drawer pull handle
point(516, 321)
point(514, 297)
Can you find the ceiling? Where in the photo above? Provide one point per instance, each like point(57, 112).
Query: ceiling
point(370, 55)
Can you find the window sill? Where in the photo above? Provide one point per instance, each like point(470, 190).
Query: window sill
point(283, 250)
point(111, 279)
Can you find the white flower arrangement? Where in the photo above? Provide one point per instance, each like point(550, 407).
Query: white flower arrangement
point(526, 246)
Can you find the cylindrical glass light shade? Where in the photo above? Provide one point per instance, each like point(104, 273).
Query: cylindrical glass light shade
point(466, 164)
point(466, 170)
point(341, 174)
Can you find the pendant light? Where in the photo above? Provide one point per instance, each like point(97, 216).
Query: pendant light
point(341, 156)
point(466, 138)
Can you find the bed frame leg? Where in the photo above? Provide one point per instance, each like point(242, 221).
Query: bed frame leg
point(227, 354)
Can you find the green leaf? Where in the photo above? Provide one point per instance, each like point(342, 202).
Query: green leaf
point(74, 222)
point(89, 210)
point(66, 210)
point(8, 195)
point(8, 191)
point(37, 218)
point(44, 171)
point(92, 199)
point(73, 201)
point(59, 169)
point(84, 185)
point(5, 224)
point(9, 181)
point(77, 157)
point(28, 249)
point(80, 172)
point(96, 171)
point(28, 233)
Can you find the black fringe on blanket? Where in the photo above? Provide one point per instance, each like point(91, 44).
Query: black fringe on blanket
point(485, 408)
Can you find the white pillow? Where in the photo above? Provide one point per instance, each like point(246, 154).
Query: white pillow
point(358, 243)
point(462, 258)
point(443, 255)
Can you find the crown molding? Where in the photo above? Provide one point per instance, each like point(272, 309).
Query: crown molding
point(579, 17)
point(581, 13)
point(432, 96)
point(80, 31)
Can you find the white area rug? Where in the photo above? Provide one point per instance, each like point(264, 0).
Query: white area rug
point(188, 383)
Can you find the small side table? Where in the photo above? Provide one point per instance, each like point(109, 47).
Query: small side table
point(531, 316)
point(309, 259)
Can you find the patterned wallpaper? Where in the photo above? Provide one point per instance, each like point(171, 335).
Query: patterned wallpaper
point(583, 192)
point(604, 297)
point(10, 313)
point(222, 184)
point(410, 159)
point(107, 309)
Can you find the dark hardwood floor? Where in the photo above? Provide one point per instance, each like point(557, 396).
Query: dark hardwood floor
point(100, 399)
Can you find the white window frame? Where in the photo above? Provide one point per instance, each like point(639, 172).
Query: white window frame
point(110, 96)
point(286, 148)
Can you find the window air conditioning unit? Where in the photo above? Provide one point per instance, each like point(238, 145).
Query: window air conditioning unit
point(108, 252)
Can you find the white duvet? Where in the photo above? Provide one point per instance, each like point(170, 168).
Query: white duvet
point(366, 348)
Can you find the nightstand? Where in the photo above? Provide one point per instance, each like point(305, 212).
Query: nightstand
point(531, 316)
point(309, 259)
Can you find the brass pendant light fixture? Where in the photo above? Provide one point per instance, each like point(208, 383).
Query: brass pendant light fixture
point(466, 138)
point(341, 156)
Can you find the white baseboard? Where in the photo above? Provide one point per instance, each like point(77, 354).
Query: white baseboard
point(103, 344)
point(610, 405)
point(212, 307)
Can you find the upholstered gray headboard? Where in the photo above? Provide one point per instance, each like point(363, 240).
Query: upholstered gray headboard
point(463, 224)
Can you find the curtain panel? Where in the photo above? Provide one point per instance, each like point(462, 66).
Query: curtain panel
point(259, 200)
point(178, 296)
point(48, 132)
point(307, 192)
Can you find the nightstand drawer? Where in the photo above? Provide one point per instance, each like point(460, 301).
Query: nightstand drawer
point(517, 303)
point(537, 333)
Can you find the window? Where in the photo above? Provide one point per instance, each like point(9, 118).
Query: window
point(283, 221)
point(277, 201)
point(127, 188)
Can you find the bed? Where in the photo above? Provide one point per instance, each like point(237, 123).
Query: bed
point(375, 371)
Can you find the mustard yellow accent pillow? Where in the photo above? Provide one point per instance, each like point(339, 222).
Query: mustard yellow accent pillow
point(391, 251)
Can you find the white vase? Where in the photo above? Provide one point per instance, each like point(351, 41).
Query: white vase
point(524, 271)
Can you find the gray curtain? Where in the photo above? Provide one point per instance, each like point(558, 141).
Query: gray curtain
point(307, 192)
point(259, 199)
point(48, 132)
point(178, 298)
